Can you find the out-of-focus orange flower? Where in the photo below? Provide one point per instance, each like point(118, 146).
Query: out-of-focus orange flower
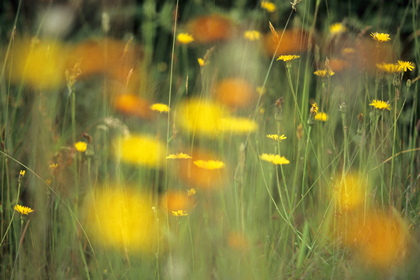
point(210, 28)
point(291, 42)
point(235, 92)
point(132, 104)
point(177, 200)
point(38, 63)
point(237, 240)
point(123, 219)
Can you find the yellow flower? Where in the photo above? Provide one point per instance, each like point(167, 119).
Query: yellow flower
point(380, 37)
point(406, 65)
point(268, 6)
point(288, 57)
point(120, 217)
point(140, 149)
point(22, 173)
point(160, 107)
point(337, 28)
point(390, 67)
point(209, 164)
point(80, 146)
point(237, 125)
point(381, 105)
point(252, 35)
point(178, 156)
point(179, 213)
point(23, 209)
point(200, 117)
point(276, 137)
point(324, 73)
point(314, 109)
point(261, 90)
point(201, 62)
point(321, 116)
point(191, 192)
point(185, 38)
point(274, 159)
point(53, 166)
point(350, 192)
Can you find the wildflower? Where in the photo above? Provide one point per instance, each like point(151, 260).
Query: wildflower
point(274, 159)
point(268, 6)
point(80, 146)
point(288, 57)
point(321, 116)
point(184, 38)
point(406, 65)
point(237, 125)
point(179, 213)
point(201, 62)
point(23, 210)
point(178, 156)
point(286, 42)
point(129, 224)
point(132, 104)
point(235, 92)
point(381, 105)
point(22, 173)
point(252, 35)
point(350, 192)
point(314, 109)
point(139, 149)
point(337, 28)
point(237, 240)
point(209, 164)
point(261, 90)
point(174, 200)
point(53, 166)
point(324, 73)
point(191, 192)
point(390, 67)
point(210, 28)
point(160, 107)
point(380, 37)
point(276, 137)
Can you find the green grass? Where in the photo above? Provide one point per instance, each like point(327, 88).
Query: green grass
point(345, 207)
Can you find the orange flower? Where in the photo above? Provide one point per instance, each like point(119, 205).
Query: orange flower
point(211, 28)
point(132, 104)
point(291, 42)
point(235, 92)
point(176, 200)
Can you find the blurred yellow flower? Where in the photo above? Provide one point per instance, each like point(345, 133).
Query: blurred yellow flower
point(268, 6)
point(23, 209)
point(200, 117)
point(179, 213)
point(237, 125)
point(185, 38)
point(140, 149)
point(337, 28)
point(350, 192)
point(381, 105)
point(324, 73)
point(175, 200)
point(191, 192)
point(380, 37)
point(159, 107)
point(390, 67)
point(22, 173)
point(121, 218)
point(314, 109)
point(288, 57)
point(276, 137)
point(321, 116)
point(209, 164)
point(406, 65)
point(201, 62)
point(80, 146)
point(178, 156)
point(252, 35)
point(40, 64)
point(274, 159)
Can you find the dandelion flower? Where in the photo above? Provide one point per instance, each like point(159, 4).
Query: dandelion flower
point(191, 192)
point(161, 108)
point(314, 109)
point(380, 37)
point(80, 146)
point(179, 213)
point(390, 67)
point(268, 6)
point(23, 210)
point(252, 35)
point(276, 137)
point(288, 57)
point(337, 28)
point(201, 62)
point(274, 159)
point(184, 38)
point(324, 73)
point(321, 116)
point(381, 105)
point(209, 164)
point(178, 156)
point(22, 173)
point(406, 65)
point(237, 125)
